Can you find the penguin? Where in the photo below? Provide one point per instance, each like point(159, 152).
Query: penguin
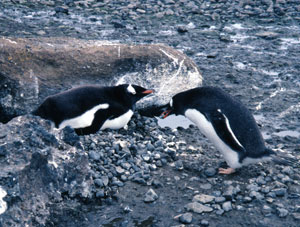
point(90, 108)
point(226, 122)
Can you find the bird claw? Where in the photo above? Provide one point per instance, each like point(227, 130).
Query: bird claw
point(226, 171)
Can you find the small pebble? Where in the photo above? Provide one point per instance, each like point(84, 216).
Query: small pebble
point(186, 218)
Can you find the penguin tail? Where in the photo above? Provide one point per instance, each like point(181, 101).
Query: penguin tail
point(282, 158)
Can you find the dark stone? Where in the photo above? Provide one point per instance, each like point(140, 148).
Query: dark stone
point(70, 137)
point(210, 172)
point(60, 9)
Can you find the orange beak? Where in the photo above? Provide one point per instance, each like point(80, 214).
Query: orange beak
point(165, 114)
point(147, 92)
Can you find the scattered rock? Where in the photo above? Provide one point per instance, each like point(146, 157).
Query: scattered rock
point(210, 172)
point(227, 206)
point(198, 208)
point(282, 212)
point(186, 218)
point(150, 196)
point(202, 198)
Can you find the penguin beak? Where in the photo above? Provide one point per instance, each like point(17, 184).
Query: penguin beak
point(147, 92)
point(165, 114)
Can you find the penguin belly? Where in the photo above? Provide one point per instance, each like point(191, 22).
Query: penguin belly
point(207, 129)
point(84, 120)
point(119, 122)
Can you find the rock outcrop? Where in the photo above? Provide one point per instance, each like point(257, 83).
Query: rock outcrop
point(32, 69)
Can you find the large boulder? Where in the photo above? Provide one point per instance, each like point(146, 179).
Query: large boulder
point(32, 69)
point(38, 169)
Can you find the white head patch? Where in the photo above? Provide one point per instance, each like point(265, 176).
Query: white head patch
point(171, 102)
point(131, 90)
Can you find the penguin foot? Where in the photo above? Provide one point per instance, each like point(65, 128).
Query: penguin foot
point(226, 171)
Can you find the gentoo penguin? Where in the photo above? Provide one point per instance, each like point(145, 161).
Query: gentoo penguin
point(226, 122)
point(90, 108)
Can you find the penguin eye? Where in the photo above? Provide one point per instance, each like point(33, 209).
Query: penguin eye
point(131, 90)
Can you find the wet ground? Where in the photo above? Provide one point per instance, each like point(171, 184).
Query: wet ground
point(249, 48)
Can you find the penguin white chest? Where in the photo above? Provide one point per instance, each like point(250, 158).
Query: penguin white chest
point(206, 128)
point(85, 119)
point(118, 122)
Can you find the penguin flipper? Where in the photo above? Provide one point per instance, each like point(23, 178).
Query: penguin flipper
point(99, 119)
point(221, 124)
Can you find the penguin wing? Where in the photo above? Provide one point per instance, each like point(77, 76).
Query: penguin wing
point(222, 127)
point(100, 117)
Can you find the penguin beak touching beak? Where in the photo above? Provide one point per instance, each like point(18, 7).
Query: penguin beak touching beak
point(147, 92)
point(165, 114)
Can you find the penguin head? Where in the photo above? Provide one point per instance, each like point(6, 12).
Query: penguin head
point(172, 107)
point(135, 92)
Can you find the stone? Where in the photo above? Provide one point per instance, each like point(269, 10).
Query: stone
point(279, 192)
point(282, 212)
point(99, 182)
point(179, 165)
point(227, 206)
point(204, 223)
point(210, 172)
point(198, 208)
point(296, 216)
point(202, 198)
point(94, 155)
point(100, 193)
point(105, 180)
point(120, 170)
point(43, 172)
point(150, 196)
point(52, 65)
point(186, 218)
point(220, 199)
point(229, 192)
point(267, 35)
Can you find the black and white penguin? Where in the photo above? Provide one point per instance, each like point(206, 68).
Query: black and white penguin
point(90, 108)
point(226, 122)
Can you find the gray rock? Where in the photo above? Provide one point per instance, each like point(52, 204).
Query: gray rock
point(94, 155)
point(198, 208)
point(150, 196)
point(280, 192)
point(105, 180)
point(204, 223)
point(186, 218)
point(99, 182)
point(202, 198)
point(247, 199)
point(210, 172)
point(179, 165)
point(120, 170)
point(282, 212)
point(100, 194)
point(267, 209)
point(227, 206)
point(230, 192)
point(253, 187)
point(220, 199)
point(288, 170)
point(296, 216)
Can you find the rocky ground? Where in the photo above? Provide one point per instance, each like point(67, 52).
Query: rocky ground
point(152, 176)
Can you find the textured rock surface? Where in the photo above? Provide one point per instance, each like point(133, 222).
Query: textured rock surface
point(32, 69)
point(39, 170)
